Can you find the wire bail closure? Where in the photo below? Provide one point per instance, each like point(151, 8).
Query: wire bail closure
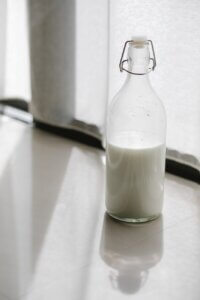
point(153, 59)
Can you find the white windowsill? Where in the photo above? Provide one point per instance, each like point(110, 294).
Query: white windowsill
point(57, 243)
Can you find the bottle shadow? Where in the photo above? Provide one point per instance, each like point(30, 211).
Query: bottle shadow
point(130, 251)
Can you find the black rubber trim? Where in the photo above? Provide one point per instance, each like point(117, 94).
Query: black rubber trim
point(182, 170)
point(172, 166)
point(16, 103)
point(71, 134)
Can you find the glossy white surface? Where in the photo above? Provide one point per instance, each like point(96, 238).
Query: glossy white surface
point(57, 243)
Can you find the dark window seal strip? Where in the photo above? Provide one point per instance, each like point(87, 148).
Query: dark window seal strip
point(182, 170)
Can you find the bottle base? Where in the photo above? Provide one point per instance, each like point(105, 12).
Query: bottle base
point(134, 220)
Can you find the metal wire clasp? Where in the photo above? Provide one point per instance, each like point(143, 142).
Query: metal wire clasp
point(122, 61)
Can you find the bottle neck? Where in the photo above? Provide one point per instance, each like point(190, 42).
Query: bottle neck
point(137, 79)
point(138, 63)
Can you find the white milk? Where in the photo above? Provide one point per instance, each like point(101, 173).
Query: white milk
point(135, 178)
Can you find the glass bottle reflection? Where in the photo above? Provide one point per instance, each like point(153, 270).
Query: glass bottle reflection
point(131, 251)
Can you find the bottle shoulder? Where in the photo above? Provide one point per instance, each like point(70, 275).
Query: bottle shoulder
point(133, 99)
point(137, 111)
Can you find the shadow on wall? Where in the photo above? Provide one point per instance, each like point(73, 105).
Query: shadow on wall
point(52, 46)
point(69, 43)
point(131, 251)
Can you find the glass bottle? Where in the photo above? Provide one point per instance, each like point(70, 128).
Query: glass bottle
point(135, 141)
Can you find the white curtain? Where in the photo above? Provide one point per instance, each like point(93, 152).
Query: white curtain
point(14, 51)
point(174, 28)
